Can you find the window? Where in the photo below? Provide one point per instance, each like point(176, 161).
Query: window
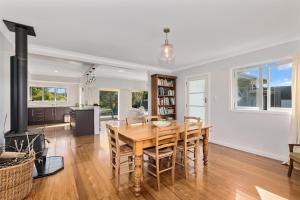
point(36, 93)
point(48, 94)
point(61, 94)
point(140, 99)
point(108, 104)
point(263, 87)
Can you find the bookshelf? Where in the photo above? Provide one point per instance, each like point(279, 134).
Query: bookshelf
point(163, 96)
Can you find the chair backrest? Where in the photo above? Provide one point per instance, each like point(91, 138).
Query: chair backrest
point(113, 138)
point(166, 137)
point(191, 119)
point(152, 118)
point(135, 120)
point(192, 132)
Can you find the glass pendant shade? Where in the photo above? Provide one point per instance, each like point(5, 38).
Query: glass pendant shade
point(167, 51)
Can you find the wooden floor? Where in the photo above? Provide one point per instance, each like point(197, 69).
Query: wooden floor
point(230, 174)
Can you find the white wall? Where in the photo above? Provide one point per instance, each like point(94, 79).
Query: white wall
point(6, 50)
point(260, 133)
point(124, 103)
point(72, 92)
point(116, 83)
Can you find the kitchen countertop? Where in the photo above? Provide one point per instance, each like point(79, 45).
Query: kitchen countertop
point(83, 108)
point(47, 106)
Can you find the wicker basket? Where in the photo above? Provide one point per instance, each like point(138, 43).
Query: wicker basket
point(16, 181)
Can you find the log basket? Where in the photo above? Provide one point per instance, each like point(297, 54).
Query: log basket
point(16, 181)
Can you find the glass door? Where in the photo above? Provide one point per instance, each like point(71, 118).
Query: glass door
point(197, 97)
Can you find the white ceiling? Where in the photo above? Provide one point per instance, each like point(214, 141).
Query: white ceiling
point(49, 66)
point(43, 65)
point(131, 30)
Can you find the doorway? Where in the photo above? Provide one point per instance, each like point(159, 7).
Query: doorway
point(197, 97)
point(108, 101)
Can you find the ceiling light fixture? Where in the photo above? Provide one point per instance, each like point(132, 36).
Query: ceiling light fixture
point(90, 75)
point(167, 50)
point(55, 71)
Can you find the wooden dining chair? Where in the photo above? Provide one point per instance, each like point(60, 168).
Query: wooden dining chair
point(120, 155)
point(189, 147)
point(294, 157)
point(165, 147)
point(135, 120)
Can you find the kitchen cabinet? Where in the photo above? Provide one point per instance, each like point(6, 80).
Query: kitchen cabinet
point(47, 115)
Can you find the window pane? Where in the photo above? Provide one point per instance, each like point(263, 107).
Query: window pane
point(280, 83)
point(61, 94)
point(49, 94)
point(247, 87)
point(36, 93)
point(140, 99)
point(108, 103)
point(197, 112)
point(196, 86)
point(197, 99)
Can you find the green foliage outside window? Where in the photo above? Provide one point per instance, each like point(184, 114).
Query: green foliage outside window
point(48, 94)
point(108, 102)
point(61, 94)
point(37, 93)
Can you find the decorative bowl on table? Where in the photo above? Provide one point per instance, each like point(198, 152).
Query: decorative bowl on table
point(160, 124)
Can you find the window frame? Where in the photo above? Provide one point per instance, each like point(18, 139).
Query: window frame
point(43, 94)
point(259, 107)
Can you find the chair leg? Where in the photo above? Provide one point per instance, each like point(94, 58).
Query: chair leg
point(291, 168)
point(112, 158)
point(118, 172)
point(196, 156)
point(185, 163)
point(142, 178)
point(157, 174)
point(173, 168)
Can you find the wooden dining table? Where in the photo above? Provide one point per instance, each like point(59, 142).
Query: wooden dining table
point(141, 136)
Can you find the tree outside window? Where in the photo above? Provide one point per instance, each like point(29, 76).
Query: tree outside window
point(108, 103)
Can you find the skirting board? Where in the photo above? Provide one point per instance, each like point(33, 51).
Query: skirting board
point(249, 150)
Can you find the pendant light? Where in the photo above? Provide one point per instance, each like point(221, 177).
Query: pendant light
point(167, 51)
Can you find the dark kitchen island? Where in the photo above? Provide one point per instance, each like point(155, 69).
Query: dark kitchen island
point(84, 120)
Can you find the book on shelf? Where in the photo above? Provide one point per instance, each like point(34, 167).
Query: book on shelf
point(165, 111)
point(165, 92)
point(166, 101)
point(165, 82)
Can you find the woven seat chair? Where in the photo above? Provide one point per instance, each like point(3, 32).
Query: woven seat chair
point(165, 148)
point(190, 146)
point(120, 155)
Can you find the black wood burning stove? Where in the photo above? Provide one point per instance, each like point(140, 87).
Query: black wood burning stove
point(19, 134)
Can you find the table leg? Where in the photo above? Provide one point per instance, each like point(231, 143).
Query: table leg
point(138, 153)
point(205, 146)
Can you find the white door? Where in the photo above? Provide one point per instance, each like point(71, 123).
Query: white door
point(197, 97)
